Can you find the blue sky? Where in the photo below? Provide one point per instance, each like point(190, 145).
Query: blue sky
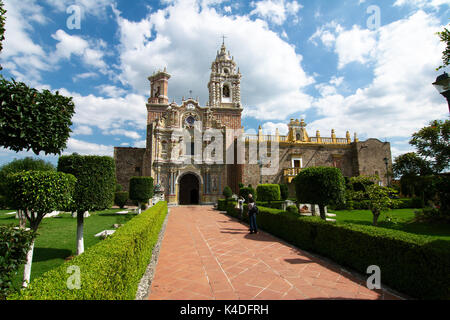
point(329, 62)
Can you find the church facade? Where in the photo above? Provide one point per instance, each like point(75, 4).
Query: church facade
point(193, 151)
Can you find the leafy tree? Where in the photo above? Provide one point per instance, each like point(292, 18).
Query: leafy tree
point(445, 37)
point(20, 165)
point(31, 119)
point(14, 246)
point(141, 189)
point(2, 26)
point(34, 120)
point(432, 143)
point(37, 193)
point(320, 185)
point(411, 164)
point(96, 183)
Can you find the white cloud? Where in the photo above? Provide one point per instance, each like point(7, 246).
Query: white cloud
point(82, 130)
point(87, 148)
point(273, 78)
point(276, 11)
point(422, 3)
point(129, 134)
point(111, 91)
point(85, 75)
point(354, 45)
point(23, 57)
point(109, 113)
point(400, 99)
point(89, 7)
point(270, 128)
point(69, 45)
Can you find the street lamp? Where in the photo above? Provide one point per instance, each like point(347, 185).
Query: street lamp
point(442, 85)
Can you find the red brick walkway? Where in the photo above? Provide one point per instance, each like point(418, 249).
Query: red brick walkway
point(208, 255)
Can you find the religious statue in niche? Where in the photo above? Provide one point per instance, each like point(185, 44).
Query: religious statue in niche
point(214, 184)
point(226, 91)
point(157, 92)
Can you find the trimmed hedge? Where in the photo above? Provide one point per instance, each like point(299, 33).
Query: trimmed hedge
point(409, 263)
point(141, 189)
point(274, 204)
point(121, 198)
point(110, 270)
point(268, 192)
point(96, 181)
point(245, 191)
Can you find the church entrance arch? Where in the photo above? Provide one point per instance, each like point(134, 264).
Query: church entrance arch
point(189, 189)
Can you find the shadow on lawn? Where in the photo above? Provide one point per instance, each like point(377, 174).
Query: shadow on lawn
point(44, 254)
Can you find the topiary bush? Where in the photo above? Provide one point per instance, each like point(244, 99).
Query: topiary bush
point(284, 191)
point(245, 191)
point(292, 209)
point(268, 192)
point(96, 180)
point(141, 189)
point(320, 185)
point(121, 198)
point(94, 191)
point(110, 270)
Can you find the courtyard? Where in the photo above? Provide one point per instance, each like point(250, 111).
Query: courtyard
point(207, 255)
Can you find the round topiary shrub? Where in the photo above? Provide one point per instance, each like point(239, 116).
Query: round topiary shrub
point(244, 192)
point(121, 198)
point(141, 189)
point(320, 185)
point(284, 191)
point(268, 192)
point(292, 209)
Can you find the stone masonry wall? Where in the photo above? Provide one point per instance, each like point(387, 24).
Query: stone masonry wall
point(129, 163)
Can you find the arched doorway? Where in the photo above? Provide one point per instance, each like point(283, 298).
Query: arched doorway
point(189, 188)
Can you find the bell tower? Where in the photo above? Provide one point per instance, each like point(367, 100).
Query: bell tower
point(225, 82)
point(159, 84)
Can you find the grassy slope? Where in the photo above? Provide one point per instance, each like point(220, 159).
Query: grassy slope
point(57, 238)
point(401, 219)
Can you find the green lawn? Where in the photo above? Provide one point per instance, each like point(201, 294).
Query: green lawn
point(57, 237)
point(401, 219)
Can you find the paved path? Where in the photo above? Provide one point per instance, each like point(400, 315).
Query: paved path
point(208, 255)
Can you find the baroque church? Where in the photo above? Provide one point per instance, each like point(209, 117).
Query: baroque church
point(173, 155)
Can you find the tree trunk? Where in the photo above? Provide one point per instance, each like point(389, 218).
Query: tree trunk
point(27, 269)
point(313, 210)
point(20, 214)
point(323, 216)
point(376, 215)
point(80, 242)
point(139, 207)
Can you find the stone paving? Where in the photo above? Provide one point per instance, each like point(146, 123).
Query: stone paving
point(207, 255)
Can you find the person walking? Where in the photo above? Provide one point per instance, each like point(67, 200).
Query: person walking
point(252, 211)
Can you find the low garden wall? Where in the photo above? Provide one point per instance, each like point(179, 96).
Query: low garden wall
point(110, 270)
point(411, 264)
